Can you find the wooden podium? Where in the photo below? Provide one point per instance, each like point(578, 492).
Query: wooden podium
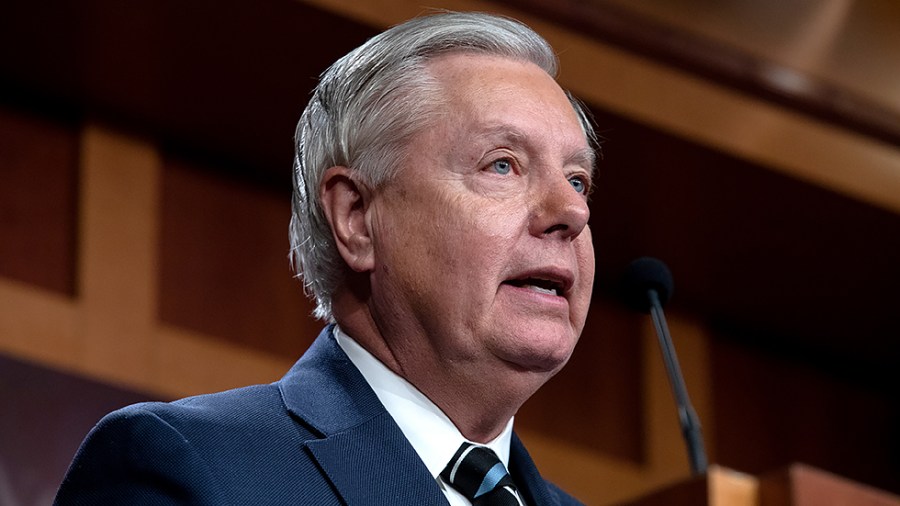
point(797, 485)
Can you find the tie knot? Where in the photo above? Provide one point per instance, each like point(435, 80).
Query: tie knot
point(477, 473)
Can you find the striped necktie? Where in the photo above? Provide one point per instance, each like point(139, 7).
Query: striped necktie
point(477, 473)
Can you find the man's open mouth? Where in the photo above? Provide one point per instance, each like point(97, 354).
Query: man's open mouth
point(539, 285)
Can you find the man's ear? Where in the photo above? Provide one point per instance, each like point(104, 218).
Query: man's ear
point(345, 200)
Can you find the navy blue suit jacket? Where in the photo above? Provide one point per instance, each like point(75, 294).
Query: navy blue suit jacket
point(319, 436)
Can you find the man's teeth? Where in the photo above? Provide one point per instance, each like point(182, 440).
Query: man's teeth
point(538, 285)
point(540, 289)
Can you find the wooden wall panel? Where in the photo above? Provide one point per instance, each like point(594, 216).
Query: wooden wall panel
point(38, 176)
point(224, 268)
point(117, 259)
point(772, 411)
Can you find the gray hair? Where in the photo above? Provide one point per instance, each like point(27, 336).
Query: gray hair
point(366, 107)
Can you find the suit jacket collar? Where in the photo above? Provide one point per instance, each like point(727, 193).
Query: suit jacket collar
point(360, 448)
point(325, 389)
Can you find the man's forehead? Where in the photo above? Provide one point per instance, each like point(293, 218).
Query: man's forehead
point(496, 100)
point(475, 69)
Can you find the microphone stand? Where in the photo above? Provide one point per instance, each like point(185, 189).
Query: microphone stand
point(690, 423)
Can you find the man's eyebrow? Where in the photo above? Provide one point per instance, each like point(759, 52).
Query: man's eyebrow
point(585, 157)
point(506, 133)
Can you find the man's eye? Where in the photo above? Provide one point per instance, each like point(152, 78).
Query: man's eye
point(501, 166)
point(579, 184)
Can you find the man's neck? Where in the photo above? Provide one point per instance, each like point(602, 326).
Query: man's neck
point(479, 406)
point(431, 432)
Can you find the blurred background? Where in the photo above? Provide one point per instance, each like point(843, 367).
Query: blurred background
point(753, 145)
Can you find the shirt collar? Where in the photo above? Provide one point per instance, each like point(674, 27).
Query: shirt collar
point(431, 433)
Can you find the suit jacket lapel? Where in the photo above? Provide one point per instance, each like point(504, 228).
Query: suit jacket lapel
point(362, 450)
point(374, 464)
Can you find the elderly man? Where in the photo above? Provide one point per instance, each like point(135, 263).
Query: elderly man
point(440, 221)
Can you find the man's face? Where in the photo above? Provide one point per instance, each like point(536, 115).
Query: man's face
point(484, 261)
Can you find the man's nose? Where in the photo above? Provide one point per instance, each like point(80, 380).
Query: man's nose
point(558, 209)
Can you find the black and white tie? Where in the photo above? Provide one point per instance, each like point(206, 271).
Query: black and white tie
point(477, 473)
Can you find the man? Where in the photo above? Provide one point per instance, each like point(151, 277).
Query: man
point(440, 220)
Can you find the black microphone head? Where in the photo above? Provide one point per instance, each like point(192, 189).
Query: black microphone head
point(644, 274)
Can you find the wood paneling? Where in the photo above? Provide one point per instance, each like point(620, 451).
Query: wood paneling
point(110, 331)
point(802, 485)
point(637, 27)
point(726, 187)
point(771, 411)
point(195, 73)
point(749, 247)
point(117, 262)
point(224, 268)
point(719, 487)
point(38, 195)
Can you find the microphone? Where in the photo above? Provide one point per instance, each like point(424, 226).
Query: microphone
point(647, 286)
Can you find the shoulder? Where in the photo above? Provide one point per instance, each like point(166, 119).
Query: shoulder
point(198, 450)
point(238, 425)
point(192, 415)
point(134, 456)
point(224, 409)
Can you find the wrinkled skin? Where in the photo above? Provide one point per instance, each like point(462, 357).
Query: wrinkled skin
point(481, 264)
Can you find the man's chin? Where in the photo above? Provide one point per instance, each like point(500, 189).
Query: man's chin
point(544, 353)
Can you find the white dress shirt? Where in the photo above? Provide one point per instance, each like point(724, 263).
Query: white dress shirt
point(428, 429)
